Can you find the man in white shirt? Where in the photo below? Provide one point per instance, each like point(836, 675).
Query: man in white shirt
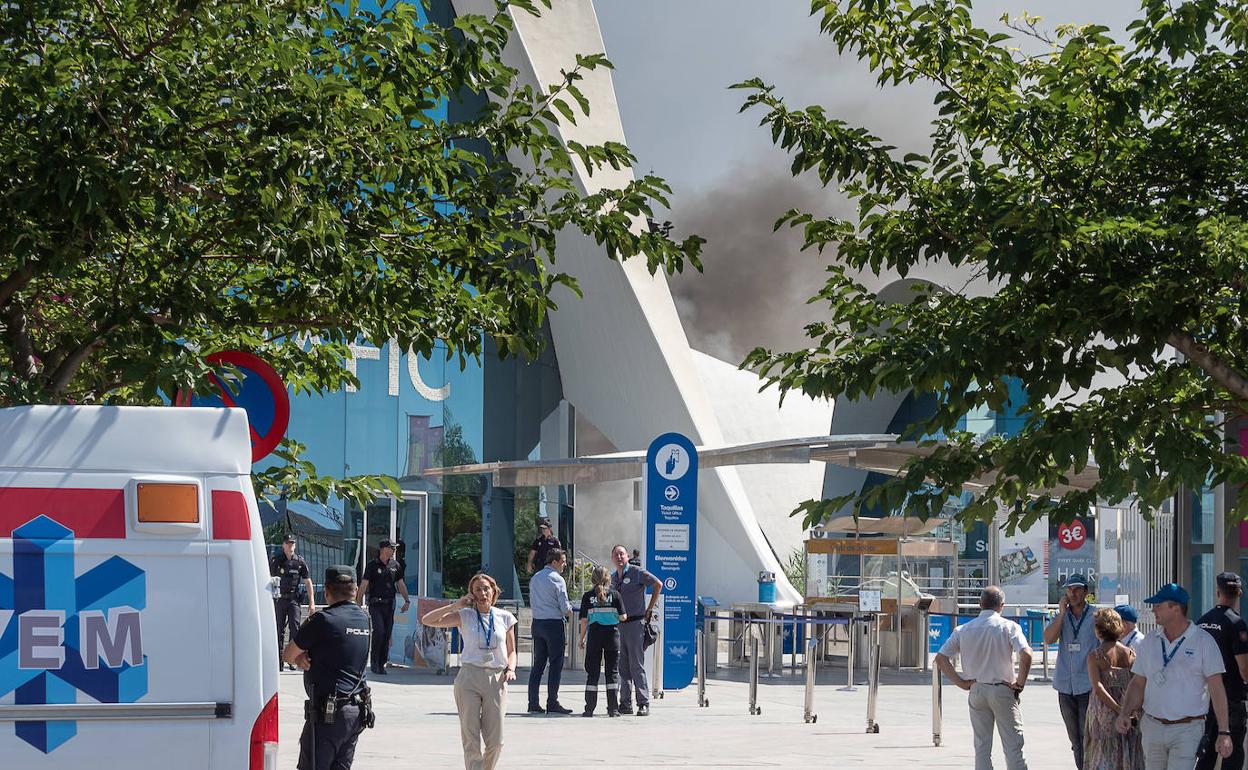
point(1178, 673)
point(1131, 635)
point(987, 645)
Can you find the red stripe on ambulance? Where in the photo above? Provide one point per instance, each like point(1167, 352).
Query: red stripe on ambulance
point(90, 513)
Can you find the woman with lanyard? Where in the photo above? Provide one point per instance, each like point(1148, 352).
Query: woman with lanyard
point(487, 664)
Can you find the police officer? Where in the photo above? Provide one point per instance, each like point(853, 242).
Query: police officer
point(1228, 629)
point(382, 576)
point(543, 544)
point(290, 568)
point(332, 648)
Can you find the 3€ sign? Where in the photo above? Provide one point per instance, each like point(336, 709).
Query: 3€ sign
point(1072, 536)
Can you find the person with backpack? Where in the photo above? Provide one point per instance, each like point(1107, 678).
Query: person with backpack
point(602, 611)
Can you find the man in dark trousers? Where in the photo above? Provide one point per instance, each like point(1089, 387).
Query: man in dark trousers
point(291, 571)
point(543, 544)
point(1073, 629)
point(1228, 629)
point(382, 576)
point(332, 648)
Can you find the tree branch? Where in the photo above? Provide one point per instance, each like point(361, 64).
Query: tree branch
point(1219, 370)
point(112, 31)
point(15, 282)
point(21, 347)
point(74, 361)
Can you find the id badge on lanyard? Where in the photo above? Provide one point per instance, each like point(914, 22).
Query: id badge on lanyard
point(1075, 646)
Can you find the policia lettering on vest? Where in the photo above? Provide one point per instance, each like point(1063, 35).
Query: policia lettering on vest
point(332, 649)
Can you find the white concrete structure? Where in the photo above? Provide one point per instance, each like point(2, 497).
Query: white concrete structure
point(624, 358)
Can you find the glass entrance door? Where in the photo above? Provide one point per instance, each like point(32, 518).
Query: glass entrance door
point(404, 521)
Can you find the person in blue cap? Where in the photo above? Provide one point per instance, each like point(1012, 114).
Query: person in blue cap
point(1228, 629)
point(1076, 637)
point(1177, 676)
point(1131, 635)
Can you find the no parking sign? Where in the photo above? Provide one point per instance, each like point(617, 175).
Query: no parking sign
point(256, 388)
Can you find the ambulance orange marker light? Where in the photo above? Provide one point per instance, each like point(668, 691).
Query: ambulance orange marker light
point(174, 503)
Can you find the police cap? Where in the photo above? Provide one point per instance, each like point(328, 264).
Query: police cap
point(385, 544)
point(339, 573)
point(290, 538)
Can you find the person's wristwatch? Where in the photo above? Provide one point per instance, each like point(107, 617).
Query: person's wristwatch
point(1227, 733)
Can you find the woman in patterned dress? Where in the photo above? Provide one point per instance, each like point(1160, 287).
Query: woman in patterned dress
point(1109, 669)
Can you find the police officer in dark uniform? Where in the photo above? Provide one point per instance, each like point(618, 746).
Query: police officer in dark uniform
point(332, 648)
point(291, 571)
point(543, 544)
point(1225, 625)
point(382, 576)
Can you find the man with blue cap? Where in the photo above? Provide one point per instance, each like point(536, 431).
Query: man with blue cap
point(1076, 637)
point(1131, 635)
point(1177, 677)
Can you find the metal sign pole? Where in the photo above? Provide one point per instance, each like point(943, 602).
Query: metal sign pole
point(702, 701)
point(1044, 656)
point(873, 676)
point(794, 645)
point(810, 717)
point(656, 688)
point(937, 712)
point(754, 709)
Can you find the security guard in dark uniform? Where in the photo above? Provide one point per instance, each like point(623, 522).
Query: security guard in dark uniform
point(1225, 625)
point(332, 648)
point(542, 545)
point(291, 571)
point(381, 577)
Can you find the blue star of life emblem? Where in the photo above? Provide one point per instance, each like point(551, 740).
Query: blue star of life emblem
point(62, 634)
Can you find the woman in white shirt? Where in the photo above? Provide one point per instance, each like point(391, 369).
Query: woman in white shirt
point(487, 664)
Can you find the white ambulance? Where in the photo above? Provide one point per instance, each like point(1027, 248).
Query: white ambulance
point(136, 628)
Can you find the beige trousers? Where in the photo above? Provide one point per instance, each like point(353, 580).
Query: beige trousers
point(481, 698)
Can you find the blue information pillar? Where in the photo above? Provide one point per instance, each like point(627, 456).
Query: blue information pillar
point(672, 548)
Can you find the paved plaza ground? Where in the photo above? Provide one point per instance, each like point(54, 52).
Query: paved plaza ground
point(416, 718)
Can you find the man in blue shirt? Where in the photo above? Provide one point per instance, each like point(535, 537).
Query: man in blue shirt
point(1075, 632)
point(548, 598)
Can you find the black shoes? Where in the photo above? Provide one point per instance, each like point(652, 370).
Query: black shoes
point(587, 713)
point(643, 711)
point(626, 709)
point(535, 709)
point(555, 708)
point(611, 713)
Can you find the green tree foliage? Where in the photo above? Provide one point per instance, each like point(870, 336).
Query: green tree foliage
point(183, 177)
point(1100, 187)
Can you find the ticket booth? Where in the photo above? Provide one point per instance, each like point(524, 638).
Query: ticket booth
point(839, 568)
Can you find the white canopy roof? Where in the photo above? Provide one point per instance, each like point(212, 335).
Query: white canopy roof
point(882, 453)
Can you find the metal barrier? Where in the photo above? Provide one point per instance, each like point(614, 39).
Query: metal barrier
point(849, 662)
point(702, 701)
point(810, 717)
point(937, 710)
point(755, 710)
point(873, 675)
